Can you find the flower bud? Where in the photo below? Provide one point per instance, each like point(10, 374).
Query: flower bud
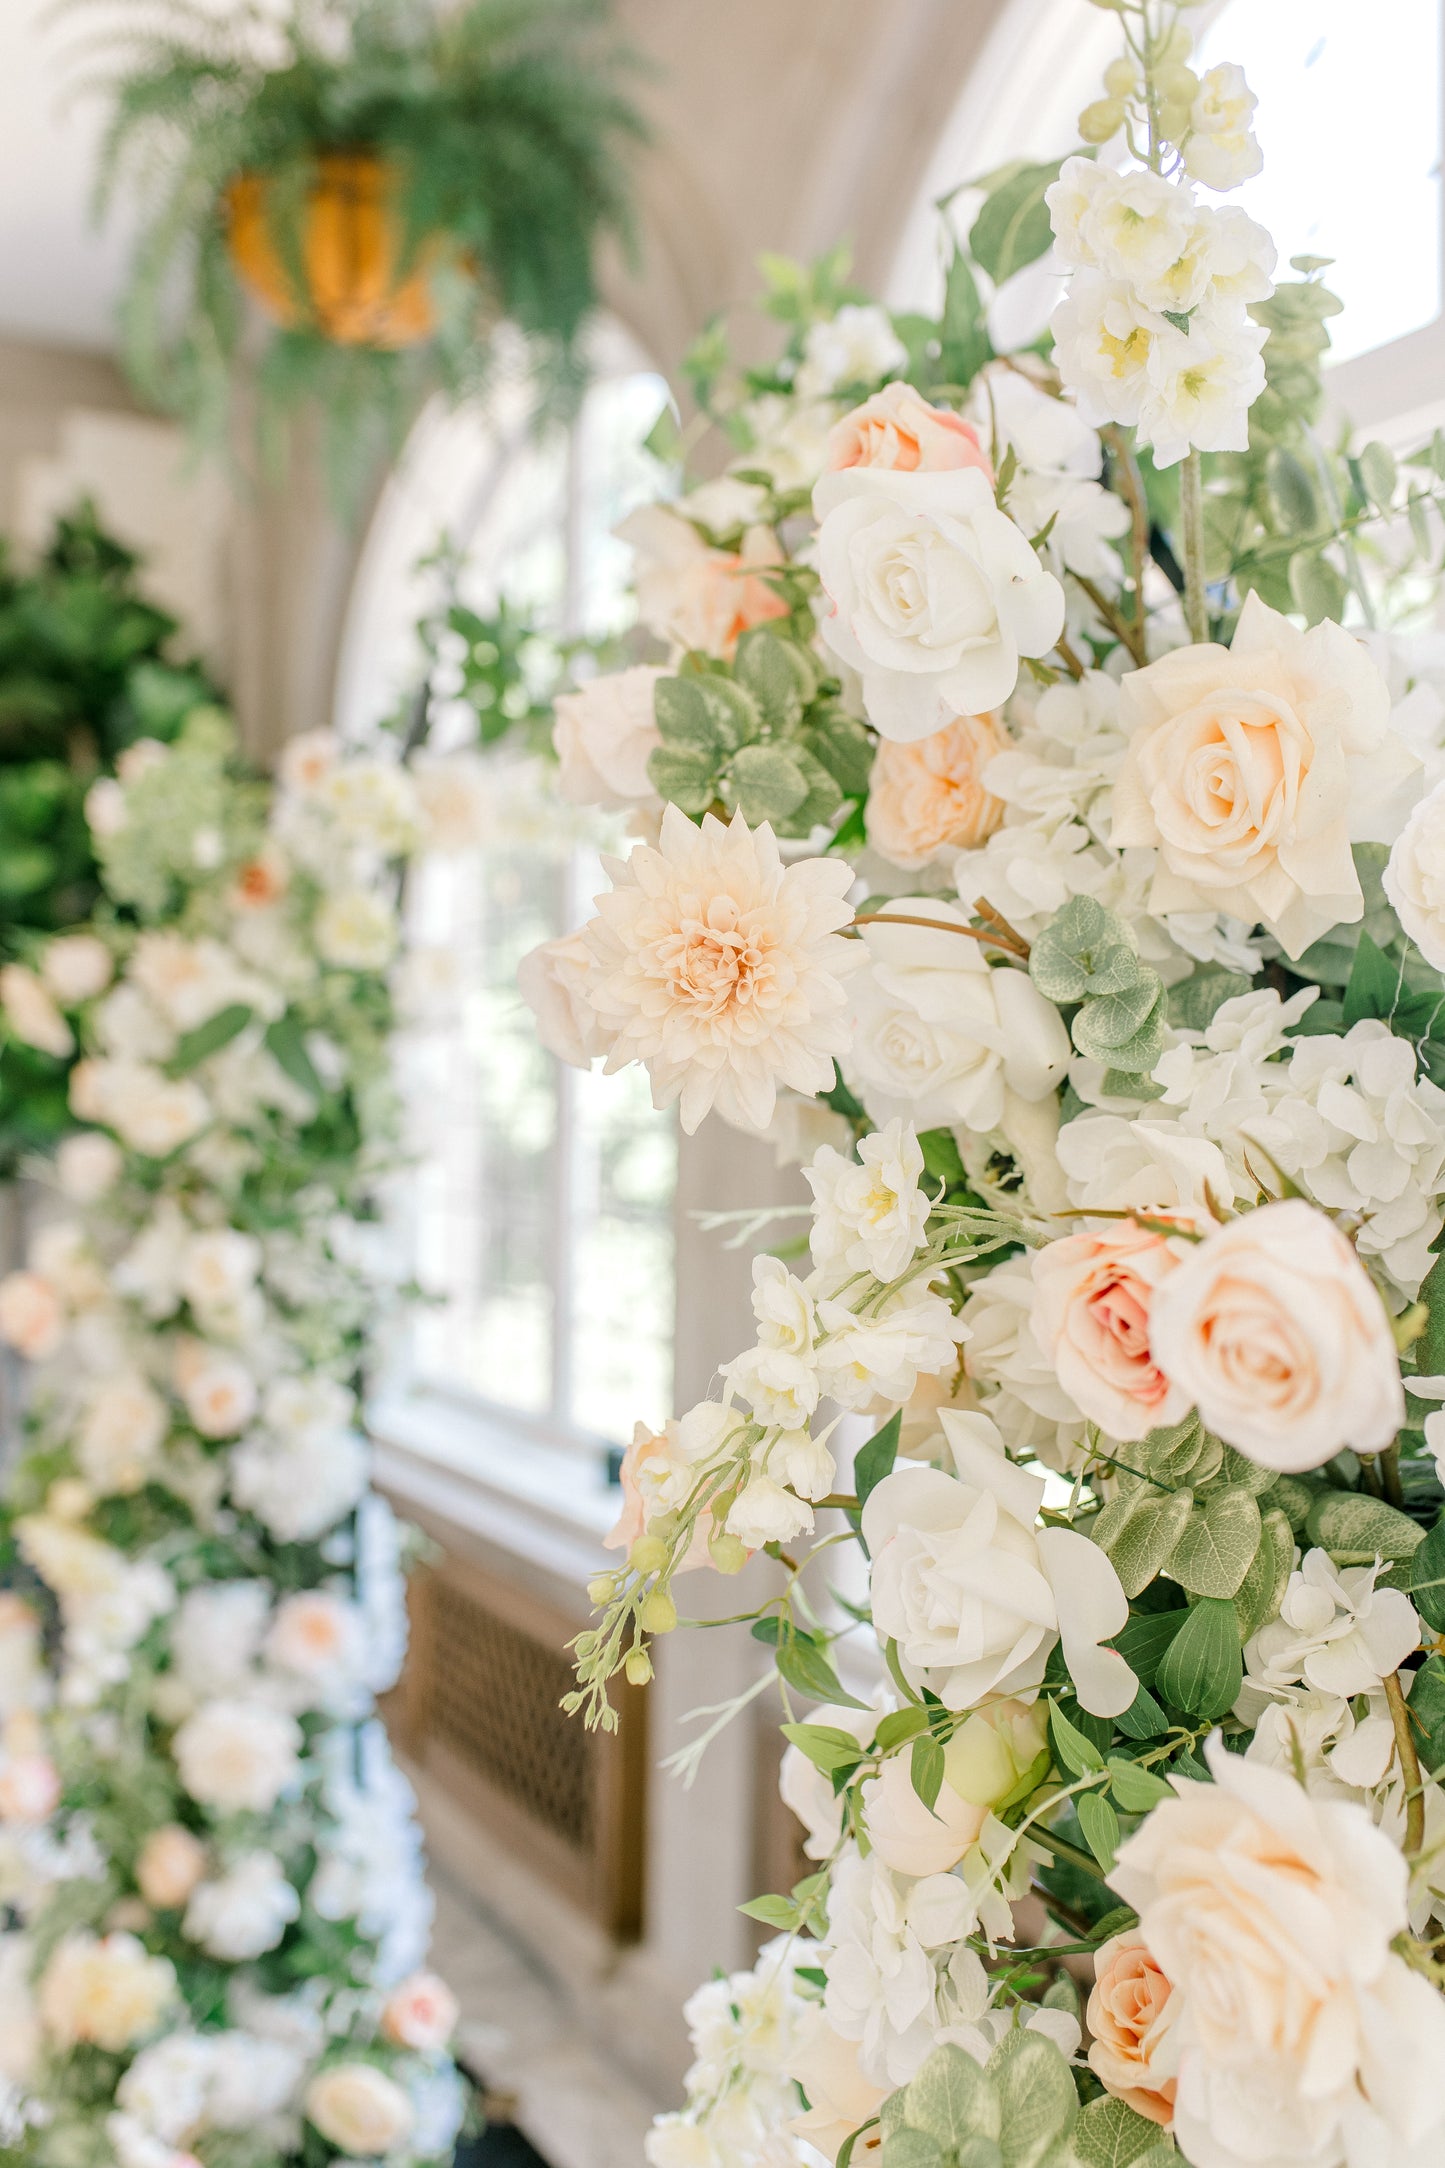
point(1174, 121)
point(638, 1666)
point(1121, 78)
point(647, 1555)
point(728, 1553)
point(1102, 119)
point(600, 1590)
point(657, 1613)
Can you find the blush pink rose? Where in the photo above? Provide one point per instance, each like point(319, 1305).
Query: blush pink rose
point(928, 795)
point(420, 2013)
point(899, 430)
point(29, 1788)
point(32, 1316)
point(1093, 1295)
point(695, 596)
point(1129, 2016)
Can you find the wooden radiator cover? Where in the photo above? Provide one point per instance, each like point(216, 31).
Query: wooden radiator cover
point(477, 1713)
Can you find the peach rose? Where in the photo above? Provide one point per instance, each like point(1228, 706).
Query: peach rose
point(420, 2013)
point(171, 1862)
point(1129, 2016)
point(359, 2109)
point(32, 1316)
point(696, 596)
point(1273, 1329)
point(1092, 1298)
point(897, 428)
point(261, 881)
point(1251, 769)
point(927, 796)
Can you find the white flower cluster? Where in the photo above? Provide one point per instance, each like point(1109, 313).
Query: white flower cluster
point(196, 1503)
point(1154, 330)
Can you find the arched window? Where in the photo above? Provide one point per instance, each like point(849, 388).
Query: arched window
point(540, 1207)
point(1350, 123)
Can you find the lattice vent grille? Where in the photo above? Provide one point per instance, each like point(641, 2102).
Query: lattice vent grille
point(494, 1703)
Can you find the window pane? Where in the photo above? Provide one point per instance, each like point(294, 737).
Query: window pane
point(1349, 122)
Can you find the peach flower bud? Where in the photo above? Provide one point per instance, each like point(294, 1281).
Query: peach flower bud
point(29, 1788)
point(928, 796)
point(1129, 2016)
point(421, 2013)
point(898, 429)
point(171, 1863)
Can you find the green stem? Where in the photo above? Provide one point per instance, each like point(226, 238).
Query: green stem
point(1191, 522)
point(1062, 1849)
point(1409, 1766)
point(1390, 1470)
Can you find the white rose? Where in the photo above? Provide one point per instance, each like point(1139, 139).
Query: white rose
point(165, 2087)
point(76, 967)
point(153, 1114)
point(244, 1912)
point(976, 1594)
point(1299, 2035)
point(251, 2080)
point(220, 1396)
point(356, 931)
point(935, 594)
point(1415, 877)
point(219, 1267)
point(359, 2109)
point(856, 346)
point(556, 981)
point(237, 1755)
point(604, 734)
point(32, 1315)
point(217, 1637)
point(103, 1991)
point(1273, 1328)
point(298, 1487)
point(31, 1012)
point(940, 1035)
point(840, 2099)
point(88, 1166)
point(1252, 768)
point(121, 1435)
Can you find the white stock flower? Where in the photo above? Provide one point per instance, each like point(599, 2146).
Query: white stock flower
point(1249, 770)
point(1180, 389)
point(718, 968)
point(1336, 1633)
point(880, 1353)
point(238, 1755)
point(356, 930)
point(779, 1376)
point(243, 1912)
point(604, 733)
point(1274, 1330)
point(889, 1956)
point(935, 594)
point(940, 1035)
point(976, 1594)
point(1300, 2035)
point(373, 803)
point(854, 347)
point(1221, 150)
point(869, 1214)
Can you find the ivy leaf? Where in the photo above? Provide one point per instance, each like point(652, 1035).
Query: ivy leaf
point(777, 674)
point(682, 720)
point(1037, 2099)
point(1203, 1669)
point(1100, 1825)
point(208, 1038)
point(1262, 1591)
point(842, 745)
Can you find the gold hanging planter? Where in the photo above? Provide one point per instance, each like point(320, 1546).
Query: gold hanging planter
point(351, 245)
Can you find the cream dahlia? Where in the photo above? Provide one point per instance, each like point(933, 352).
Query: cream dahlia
point(719, 968)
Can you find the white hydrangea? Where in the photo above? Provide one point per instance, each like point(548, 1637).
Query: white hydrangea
point(1336, 1633)
point(243, 1912)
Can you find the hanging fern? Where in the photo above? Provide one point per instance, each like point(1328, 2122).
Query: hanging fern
point(502, 126)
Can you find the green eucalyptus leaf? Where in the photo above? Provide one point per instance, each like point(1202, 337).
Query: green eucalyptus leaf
point(951, 2099)
point(1109, 2134)
point(686, 780)
point(1036, 2094)
point(1262, 1591)
point(1139, 1532)
point(1379, 474)
point(1427, 1578)
point(911, 2148)
point(1293, 492)
point(1350, 1522)
point(1202, 1669)
point(769, 784)
point(1317, 587)
point(1218, 1544)
point(1194, 1002)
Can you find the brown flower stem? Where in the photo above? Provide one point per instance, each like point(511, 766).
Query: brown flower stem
point(983, 909)
point(935, 925)
point(1067, 656)
point(1191, 524)
point(1123, 628)
point(1409, 1766)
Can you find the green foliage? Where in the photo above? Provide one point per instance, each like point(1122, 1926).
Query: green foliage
point(1085, 961)
point(1017, 2111)
point(1013, 229)
point(502, 124)
point(1202, 1669)
point(768, 740)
